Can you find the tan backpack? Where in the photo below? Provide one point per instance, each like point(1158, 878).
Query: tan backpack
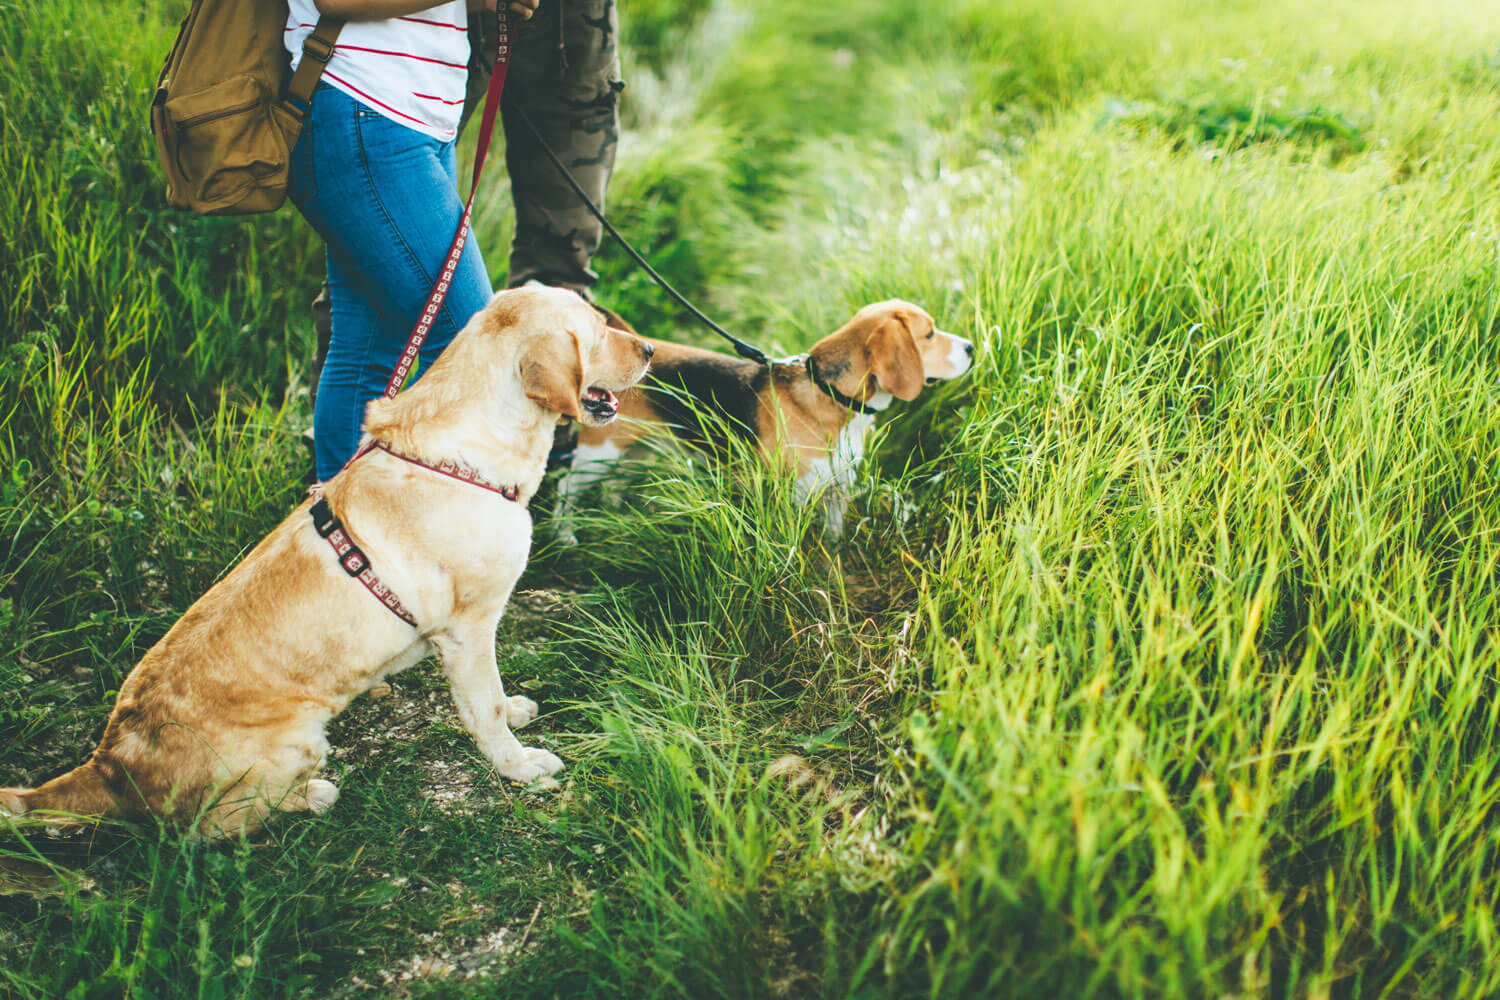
point(228, 109)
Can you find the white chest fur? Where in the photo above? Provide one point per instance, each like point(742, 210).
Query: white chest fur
point(849, 449)
point(839, 470)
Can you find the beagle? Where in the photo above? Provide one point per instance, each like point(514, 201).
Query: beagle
point(811, 412)
point(412, 549)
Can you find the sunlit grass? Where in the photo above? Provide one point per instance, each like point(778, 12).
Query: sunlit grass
point(1159, 657)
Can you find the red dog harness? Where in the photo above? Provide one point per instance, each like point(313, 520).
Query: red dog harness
point(447, 467)
point(353, 559)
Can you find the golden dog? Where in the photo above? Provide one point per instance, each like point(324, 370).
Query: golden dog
point(810, 412)
point(225, 716)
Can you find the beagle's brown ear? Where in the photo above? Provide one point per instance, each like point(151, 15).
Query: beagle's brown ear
point(552, 374)
point(894, 360)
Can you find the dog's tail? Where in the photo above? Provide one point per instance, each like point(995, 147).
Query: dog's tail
point(83, 791)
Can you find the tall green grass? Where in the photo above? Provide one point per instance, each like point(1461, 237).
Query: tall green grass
point(1158, 658)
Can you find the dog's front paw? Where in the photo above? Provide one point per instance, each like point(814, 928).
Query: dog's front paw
point(533, 763)
point(519, 711)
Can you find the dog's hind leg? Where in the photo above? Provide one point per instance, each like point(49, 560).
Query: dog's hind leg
point(275, 778)
point(468, 654)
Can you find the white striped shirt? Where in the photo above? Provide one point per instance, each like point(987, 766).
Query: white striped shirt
point(412, 69)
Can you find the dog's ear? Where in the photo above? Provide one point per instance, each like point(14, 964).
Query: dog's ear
point(552, 374)
point(893, 358)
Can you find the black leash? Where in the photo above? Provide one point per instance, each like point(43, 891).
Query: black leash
point(744, 350)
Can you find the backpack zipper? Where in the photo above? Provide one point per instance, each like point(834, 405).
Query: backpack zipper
point(211, 116)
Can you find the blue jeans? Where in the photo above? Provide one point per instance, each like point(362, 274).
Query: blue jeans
point(384, 198)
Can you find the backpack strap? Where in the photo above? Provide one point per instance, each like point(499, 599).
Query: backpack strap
point(317, 49)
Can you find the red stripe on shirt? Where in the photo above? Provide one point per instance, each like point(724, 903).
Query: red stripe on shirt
point(435, 24)
point(434, 97)
point(401, 55)
point(303, 24)
point(335, 77)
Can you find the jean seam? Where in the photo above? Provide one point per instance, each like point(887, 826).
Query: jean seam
point(306, 164)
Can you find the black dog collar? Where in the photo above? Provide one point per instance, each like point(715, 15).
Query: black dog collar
point(857, 405)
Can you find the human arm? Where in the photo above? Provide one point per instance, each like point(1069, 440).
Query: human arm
point(375, 10)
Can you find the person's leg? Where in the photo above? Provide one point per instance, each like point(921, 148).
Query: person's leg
point(360, 332)
point(573, 102)
point(383, 198)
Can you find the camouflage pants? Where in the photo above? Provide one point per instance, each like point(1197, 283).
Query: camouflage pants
point(564, 77)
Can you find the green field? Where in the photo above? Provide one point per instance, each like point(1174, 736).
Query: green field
point(1160, 655)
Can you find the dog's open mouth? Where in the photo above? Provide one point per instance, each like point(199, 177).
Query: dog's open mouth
point(933, 381)
point(601, 403)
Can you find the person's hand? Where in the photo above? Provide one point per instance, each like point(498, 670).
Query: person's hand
point(525, 8)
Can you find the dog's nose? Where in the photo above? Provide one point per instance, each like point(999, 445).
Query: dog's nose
point(649, 349)
point(969, 348)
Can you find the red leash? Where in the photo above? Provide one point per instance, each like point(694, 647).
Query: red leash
point(450, 264)
point(350, 556)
